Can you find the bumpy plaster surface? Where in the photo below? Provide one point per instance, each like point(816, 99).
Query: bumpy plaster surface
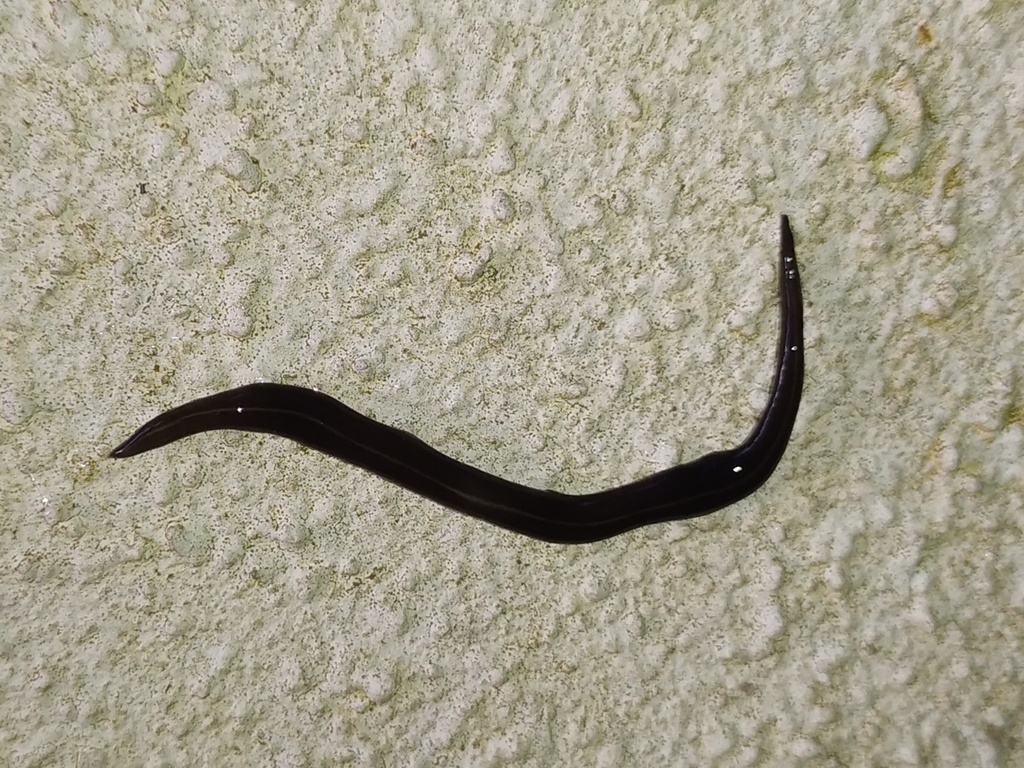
point(543, 239)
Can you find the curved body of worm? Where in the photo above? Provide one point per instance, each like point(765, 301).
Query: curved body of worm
point(685, 491)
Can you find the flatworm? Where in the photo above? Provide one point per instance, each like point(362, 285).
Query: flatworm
point(686, 491)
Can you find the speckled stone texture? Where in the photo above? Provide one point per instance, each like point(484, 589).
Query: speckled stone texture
point(543, 238)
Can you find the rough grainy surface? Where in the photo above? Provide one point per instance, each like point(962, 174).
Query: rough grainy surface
point(543, 239)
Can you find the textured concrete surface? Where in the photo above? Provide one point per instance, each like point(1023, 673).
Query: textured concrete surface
point(542, 238)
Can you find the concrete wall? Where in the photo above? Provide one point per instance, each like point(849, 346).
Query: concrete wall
point(543, 239)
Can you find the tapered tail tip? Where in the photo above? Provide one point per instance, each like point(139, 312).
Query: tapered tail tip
point(124, 450)
point(786, 236)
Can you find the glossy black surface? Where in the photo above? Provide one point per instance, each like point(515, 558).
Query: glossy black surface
point(688, 490)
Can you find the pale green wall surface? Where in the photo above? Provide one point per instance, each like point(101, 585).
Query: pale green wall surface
point(541, 236)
